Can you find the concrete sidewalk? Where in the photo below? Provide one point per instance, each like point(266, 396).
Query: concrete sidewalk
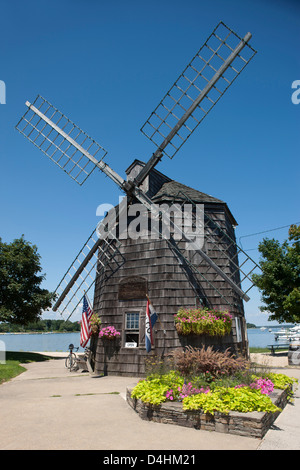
point(49, 408)
point(285, 432)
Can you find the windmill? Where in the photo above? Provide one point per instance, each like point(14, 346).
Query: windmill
point(203, 82)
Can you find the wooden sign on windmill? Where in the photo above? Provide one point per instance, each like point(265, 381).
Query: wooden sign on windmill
point(170, 265)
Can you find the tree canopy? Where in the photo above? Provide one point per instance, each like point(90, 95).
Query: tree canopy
point(22, 300)
point(45, 325)
point(279, 282)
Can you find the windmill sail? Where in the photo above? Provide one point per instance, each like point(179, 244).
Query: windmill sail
point(203, 82)
point(95, 255)
point(237, 264)
point(64, 142)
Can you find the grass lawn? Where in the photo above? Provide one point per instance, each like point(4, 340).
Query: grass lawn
point(258, 350)
point(263, 350)
point(12, 367)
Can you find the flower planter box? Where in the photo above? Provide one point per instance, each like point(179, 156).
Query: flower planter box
point(199, 321)
point(254, 424)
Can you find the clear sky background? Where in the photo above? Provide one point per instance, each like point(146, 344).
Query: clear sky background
point(106, 65)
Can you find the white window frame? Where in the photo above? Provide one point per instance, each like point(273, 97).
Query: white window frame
point(132, 330)
point(238, 328)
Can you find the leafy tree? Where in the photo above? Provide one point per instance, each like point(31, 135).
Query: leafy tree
point(22, 300)
point(279, 282)
point(41, 325)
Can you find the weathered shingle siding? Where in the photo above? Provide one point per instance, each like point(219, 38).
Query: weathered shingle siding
point(170, 285)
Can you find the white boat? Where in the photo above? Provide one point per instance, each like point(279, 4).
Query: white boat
point(288, 334)
point(263, 328)
point(295, 329)
point(283, 339)
point(295, 336)
point(283, 331)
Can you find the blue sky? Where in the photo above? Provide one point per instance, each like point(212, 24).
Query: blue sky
point(106, 65)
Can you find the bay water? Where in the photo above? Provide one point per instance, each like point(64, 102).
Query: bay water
point(48, 342)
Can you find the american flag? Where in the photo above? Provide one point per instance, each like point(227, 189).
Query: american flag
point(85, 331)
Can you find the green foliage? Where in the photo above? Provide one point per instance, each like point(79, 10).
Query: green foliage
point(200, 321)
point(42, 326)
point(95, 323)
point(153, 390)
point(10, 370)
point(22, 300)
point(223, 400)
point(279, 282)
point(235, 387)
point(280, 381)
point(220, 399)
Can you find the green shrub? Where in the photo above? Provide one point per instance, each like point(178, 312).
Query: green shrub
point(153, 390)
point(281, 381)
point(226, 383)
point(224, 399)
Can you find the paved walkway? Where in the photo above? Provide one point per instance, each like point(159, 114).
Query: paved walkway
point(285, 432)
point(48, 408)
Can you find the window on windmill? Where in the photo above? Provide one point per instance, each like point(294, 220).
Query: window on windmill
point(132, 329)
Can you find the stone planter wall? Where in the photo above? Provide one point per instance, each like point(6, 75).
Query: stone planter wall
point(254, 424)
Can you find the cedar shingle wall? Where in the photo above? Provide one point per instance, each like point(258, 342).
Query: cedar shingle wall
point(168, 289)
point(170, 286)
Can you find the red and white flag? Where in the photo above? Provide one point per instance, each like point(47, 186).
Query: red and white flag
point(85, 331)
point(151, 317)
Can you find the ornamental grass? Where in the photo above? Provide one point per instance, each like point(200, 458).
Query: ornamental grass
point(191, 362)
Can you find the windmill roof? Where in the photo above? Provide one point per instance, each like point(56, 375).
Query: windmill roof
point(172, 189)
point(169, 190)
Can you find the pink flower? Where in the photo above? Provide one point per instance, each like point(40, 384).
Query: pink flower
point(109, 332)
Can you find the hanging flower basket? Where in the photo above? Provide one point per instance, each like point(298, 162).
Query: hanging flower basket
point(199, 321)
point(95, 324)
point(109, 332)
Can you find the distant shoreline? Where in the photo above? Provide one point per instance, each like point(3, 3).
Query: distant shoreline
point(37, 332)
point(283, 325)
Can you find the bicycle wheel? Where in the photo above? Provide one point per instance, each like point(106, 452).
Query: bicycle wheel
point(70, 362)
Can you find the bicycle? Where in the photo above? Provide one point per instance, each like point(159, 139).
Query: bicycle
point(71, 359)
